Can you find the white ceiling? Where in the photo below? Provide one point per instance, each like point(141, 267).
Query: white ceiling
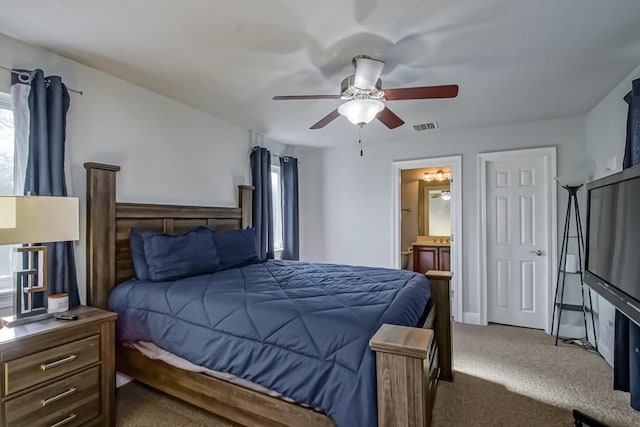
point(515, 60)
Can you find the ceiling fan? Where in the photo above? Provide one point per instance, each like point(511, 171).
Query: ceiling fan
point(365, 98)
point(443, 194)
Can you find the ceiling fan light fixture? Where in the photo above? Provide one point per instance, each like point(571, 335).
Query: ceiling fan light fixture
point(445, 195)
point(361, 111)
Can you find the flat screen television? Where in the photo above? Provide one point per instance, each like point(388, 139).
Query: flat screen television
point(612, 265)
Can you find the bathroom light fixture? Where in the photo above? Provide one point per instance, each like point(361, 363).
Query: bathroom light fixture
point(445, 195)
point(361, 111)
point(440, 175)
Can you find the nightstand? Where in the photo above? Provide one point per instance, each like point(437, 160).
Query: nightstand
point(59, 372)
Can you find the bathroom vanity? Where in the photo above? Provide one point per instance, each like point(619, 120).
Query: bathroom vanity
point(431, 254)
point(432, 247)
point(430, 229)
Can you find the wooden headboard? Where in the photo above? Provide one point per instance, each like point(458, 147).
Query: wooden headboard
point(109, 222)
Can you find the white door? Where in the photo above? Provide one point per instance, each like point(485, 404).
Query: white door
point(517, 238)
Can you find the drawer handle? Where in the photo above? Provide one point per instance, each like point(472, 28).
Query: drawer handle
point(62, 395)
point(49, 365)
point(65, 421)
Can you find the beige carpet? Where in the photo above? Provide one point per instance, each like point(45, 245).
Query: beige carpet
point(504, 377)
point(508, 376)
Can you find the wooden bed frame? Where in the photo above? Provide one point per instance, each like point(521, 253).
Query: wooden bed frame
point(406, 357)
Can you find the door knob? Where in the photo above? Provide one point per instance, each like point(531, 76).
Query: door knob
point(537, 252)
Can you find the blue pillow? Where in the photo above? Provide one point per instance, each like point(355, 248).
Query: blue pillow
point(137, 254)
point(236, 248)
point(172, 257)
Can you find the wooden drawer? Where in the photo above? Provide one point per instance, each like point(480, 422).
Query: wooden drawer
point(77, 395)
point(26, 371)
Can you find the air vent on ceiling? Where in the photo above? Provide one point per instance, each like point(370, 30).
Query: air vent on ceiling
point(425, 126)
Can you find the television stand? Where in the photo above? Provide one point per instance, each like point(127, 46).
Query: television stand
point(581, 419)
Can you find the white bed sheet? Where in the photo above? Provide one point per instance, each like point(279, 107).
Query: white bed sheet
point(154, 352)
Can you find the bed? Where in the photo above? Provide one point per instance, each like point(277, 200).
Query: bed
point(400, 368)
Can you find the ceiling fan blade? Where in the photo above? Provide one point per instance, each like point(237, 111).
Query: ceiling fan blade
point(425, 92)
point(367, 72)
point(326, 120)
point(389, 118)
point(298, 97)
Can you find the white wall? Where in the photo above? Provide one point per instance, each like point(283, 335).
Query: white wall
point(605, 134)
point(356, 191)
point(169, 152)
point(311, 200)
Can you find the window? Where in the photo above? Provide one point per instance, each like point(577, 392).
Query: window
point(276, 193)
point(6, 183)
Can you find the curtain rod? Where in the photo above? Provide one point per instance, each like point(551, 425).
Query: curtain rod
point(79, 92)
point(272, 154)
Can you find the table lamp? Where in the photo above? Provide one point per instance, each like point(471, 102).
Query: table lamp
point(34, 219)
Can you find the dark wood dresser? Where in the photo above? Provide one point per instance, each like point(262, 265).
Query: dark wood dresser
point(59, 372)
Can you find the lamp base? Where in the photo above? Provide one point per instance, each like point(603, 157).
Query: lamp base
point(12, 321)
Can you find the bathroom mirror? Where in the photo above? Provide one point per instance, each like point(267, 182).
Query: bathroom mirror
point(434, 206)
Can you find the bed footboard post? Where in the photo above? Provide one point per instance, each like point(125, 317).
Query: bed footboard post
point(441, 294)
point(101, 232)
point(405, 393)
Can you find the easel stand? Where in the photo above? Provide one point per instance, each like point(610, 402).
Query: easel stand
point(573, 209)
point(580, 419)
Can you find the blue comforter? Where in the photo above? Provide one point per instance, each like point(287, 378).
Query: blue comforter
point(297, 328)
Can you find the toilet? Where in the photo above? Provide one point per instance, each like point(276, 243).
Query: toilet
point(406, 258)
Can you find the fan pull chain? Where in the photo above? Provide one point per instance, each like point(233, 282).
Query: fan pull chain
point(360, 142)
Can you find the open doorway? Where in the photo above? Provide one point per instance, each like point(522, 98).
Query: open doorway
point(427, 219)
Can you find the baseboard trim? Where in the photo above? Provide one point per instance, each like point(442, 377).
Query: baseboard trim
point(605, 351)
point(471, 318)
point(122, 379)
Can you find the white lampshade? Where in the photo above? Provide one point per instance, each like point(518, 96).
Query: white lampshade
point(39, 219)
point(7, 212)
point(577, 172)
point(361, 111)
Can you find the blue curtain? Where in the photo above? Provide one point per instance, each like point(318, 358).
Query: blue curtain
point(262, 201)
point(48, 104)
point(290, 222)
point(626, 366)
